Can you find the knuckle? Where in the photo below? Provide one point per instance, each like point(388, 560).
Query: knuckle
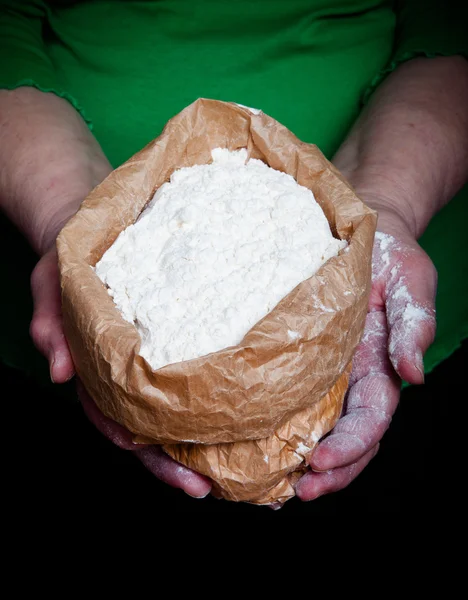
point(364, 426)
point(36, 276)
point(39, 331)
point(430, 273)
point(377, 392)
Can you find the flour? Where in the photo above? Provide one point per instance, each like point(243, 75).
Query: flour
point(302, 449)
point(405, 315)
point(213, 253)
point(384, 246)
point(254, 111)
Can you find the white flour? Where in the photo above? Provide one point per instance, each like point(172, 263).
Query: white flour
point(216, 249)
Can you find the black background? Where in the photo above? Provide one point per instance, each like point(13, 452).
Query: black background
point(60, 467)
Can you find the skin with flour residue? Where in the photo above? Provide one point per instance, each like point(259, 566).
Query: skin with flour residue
point(399, 327)
point(410, 315)
point(406, 157)
point(380, 361)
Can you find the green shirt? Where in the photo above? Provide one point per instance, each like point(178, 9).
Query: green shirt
point(129, 66)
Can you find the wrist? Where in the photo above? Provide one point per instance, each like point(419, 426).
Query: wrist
point(49, 162)
point(60, 198)
point(43, 233)
point(390, 222)
point(394, 200)
point(56, 198)
point(408, 151)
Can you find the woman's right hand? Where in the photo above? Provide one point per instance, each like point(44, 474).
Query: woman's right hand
point(46, 326)
point(49, 162)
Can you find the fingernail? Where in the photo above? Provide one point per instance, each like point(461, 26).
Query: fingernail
point(316, 469)
point(51, 368)
point(419, 364)
point(422, 374)
point(328, 471)
point(198, 497)
point(313, 498)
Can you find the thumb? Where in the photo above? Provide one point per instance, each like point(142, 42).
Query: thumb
point(410, 307)
point(46, 326)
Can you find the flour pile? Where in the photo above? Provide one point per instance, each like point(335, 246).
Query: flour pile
point(213, 253)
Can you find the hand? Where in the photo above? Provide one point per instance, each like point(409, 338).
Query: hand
point(154, 459)
point(46, 326)
point(400, 326)
point(48, 335)
point(406, 156)
point(49, 162)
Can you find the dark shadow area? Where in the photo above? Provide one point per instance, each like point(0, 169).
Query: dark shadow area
point(60, 467)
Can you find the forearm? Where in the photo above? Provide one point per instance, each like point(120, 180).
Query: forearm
point(408, 152)
point(49, 162)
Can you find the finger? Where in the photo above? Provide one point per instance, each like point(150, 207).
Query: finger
point(154, 459)
point(371, 356)
point(372, 399)
point(46, 326)
point(168, 470)
point(116, 433)
point(370, 407)
point(410, 307)
point(312, 485)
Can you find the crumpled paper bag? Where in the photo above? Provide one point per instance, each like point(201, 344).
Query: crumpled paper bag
point(267, 394)
point(265, 471)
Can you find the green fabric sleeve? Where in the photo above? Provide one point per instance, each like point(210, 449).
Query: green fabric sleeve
point(427, 28)
point(24, 58)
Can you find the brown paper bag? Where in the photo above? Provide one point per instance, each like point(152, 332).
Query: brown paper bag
point(268, 386)
point(265, 471)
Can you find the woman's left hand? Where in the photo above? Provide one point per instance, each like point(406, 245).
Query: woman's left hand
point(406, 156)
point(399, 328)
